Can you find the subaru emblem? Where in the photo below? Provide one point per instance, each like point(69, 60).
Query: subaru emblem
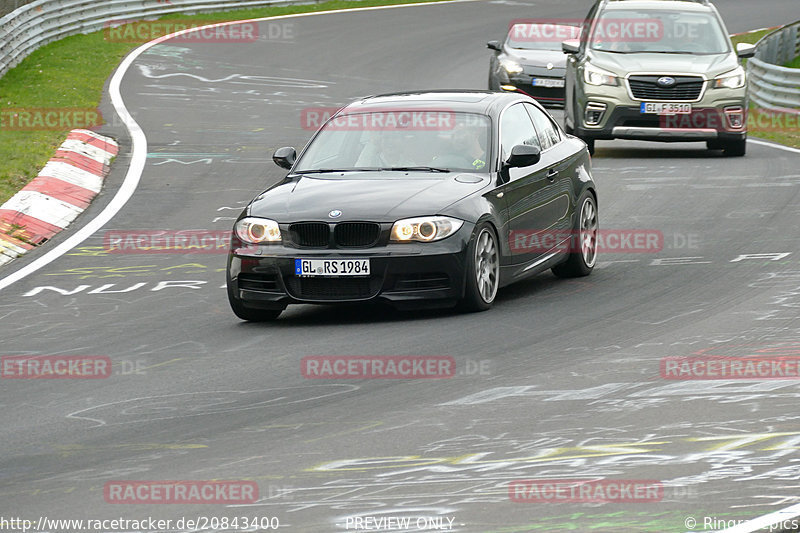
point(335, 213)
point(665, 81)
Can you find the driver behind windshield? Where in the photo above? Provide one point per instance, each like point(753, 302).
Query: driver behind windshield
point(387, 149)
point(463, 149)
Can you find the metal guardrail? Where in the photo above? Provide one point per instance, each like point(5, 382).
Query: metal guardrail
point(42, 21)
point(7, 6)
point(774, 87)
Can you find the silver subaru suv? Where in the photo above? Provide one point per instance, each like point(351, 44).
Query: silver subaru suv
point(657, 70)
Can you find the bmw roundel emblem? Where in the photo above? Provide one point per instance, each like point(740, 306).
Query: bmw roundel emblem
point(665, 81)
point(335, 213)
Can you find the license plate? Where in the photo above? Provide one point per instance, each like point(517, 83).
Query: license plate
point(548, 82)
point(665, 108)
point(331, 267)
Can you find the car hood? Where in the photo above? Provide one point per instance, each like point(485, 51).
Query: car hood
point(709, 65)
point(359, 196)
point(538, 58)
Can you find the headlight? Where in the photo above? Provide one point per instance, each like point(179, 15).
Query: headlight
point(597, 76)
point(254, 230)
point(512, 67)
point(731, 80)
point(424, 229)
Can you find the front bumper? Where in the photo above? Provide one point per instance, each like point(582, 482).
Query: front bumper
point(621, 117)
point(406, 275)
point(547, 96)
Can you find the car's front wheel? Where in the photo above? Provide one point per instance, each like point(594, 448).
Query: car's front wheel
point(589, 144)
point(734, 148)
point(567, 128)
point(581, 261)
point(483, 270)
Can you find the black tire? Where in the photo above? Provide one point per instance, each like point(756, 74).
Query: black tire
point(250, 314)
point(581, 261)
point(478, 296)
point(589, 144)
point(567, 128)
point(734, 148)
point(588, 140)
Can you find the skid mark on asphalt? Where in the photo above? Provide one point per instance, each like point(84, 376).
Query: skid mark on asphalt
point(164, 407)
point(243, 79)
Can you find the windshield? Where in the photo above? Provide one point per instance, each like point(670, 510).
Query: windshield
point(628, 31)
point(540, 36)
point(433, 140)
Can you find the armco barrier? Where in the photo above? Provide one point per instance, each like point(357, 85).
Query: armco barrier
point(35, 24)
point(7, 6)
point(774, 87)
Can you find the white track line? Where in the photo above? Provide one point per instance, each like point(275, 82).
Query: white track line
point(780, 520)
point(773, 145)
point(139, 140)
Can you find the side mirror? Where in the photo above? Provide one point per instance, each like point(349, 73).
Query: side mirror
point(284, 157)
point(745, 50)
point(523, 155)
point(571, 46)
point(494, 45)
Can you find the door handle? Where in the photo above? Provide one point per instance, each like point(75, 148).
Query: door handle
point(551, 174)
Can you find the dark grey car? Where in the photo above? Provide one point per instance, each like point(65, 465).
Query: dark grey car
point(530, 60)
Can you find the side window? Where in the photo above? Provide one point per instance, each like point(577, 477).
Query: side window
point(516, 128)
point(548, 133)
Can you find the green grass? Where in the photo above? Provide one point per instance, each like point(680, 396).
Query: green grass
point(65, 74)
point(71, 72)
point(782, 128)
point(751, 38)
point(794, 64)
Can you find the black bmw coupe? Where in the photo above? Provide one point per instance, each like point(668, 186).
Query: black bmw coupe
point(417, 199)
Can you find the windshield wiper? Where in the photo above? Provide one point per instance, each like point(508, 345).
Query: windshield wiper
point(333, 170)
point(612, 51)
point(421, 169)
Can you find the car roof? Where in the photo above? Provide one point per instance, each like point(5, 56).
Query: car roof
point(671, 5)
point(465, 101)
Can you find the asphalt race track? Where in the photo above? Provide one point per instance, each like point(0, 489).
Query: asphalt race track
point(561, 379)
